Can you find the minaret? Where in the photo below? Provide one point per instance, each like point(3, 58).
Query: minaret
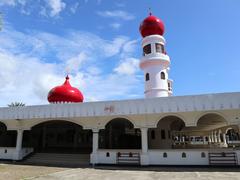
point(155, 61)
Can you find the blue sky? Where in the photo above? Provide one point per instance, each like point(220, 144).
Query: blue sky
point(98, 43)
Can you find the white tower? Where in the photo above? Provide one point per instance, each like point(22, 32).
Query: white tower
point(155, 62)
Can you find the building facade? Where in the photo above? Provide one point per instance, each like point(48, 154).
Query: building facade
point(159, 130)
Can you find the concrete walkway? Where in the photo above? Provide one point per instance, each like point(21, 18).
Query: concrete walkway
point(163, 173)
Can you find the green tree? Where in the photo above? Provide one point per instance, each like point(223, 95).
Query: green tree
point(16, 104)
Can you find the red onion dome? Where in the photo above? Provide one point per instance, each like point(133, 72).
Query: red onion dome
point(65, 94)
point(151, 26)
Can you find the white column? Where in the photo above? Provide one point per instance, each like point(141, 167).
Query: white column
point(224, 140)
point(209, 139)
point(19, 144)
point(204, 139)
point(144, 138)
point(215, 137)
point(95, 141)
point(219, 136)
point(94, 156)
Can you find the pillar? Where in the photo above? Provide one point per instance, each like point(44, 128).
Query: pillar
point(224, 140)
point(219, 136)
point(19, 144)
point(215, 136)
point(209, 139)
point(94, 156)
point(204, 140)
point(144, 154)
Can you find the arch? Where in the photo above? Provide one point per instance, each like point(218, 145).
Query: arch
point(118, 117)
point(233, 134)
point(235, 127)
point(58, 136)
point(7, 137)
point(119, 133)
point(115, 120)
point(163, 76)
point(211, 120)
point(206, 113)
point(55, 121)
point(3, 125)
point(34, 123)
point(169, 115)
point(147, 77)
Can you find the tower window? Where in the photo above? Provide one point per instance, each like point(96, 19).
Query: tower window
point(147, 49)
point(147, 78)
point(159, 48)
point(169, 87)
point(163, 75)
point(163, 135)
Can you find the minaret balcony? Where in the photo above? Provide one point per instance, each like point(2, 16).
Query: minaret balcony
point(155, 59)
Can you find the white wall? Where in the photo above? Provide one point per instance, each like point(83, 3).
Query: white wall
point(174, 157)
point(10, 153)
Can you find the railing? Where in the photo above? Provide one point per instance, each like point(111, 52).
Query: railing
point(131, 158)
point(222, 158)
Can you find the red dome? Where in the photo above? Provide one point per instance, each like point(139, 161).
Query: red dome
point(65, 94)
point(151, 26)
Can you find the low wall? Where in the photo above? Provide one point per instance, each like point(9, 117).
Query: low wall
point(178, 157)
point(165, 156)
point(109, 156)
point(10, 153)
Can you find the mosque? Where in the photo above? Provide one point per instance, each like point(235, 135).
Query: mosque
point(160, 129)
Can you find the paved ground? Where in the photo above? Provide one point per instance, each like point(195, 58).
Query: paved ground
point(171, 173)
point(16, 172)
point(12, 172)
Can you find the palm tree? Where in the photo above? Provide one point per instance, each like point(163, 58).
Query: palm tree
point(16, 104)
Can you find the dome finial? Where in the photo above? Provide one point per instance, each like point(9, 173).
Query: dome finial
point(67, 77)
point(150, 11)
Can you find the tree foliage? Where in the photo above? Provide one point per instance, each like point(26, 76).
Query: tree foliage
point(16, 104)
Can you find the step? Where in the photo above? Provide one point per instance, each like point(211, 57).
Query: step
point(59, 159)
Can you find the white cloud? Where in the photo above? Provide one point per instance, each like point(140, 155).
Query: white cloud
point(115, 25)
point(34, 62)
point(7, 2)
point(129, 66)
point(56, 7)
point(74, 63)
point(119, 14)
point(74, 7)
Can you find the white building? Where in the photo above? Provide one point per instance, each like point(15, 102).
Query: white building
point(158, 130)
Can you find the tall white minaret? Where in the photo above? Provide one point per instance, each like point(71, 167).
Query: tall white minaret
point(155, 62)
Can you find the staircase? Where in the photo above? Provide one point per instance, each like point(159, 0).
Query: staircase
point(54, 159)
point(223, 158)
point(128, 158)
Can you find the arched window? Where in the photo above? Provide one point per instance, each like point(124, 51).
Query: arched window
point(147, 78)
point(165, 155)
point(163, 75)
point(203, 155)
point(184, 155)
